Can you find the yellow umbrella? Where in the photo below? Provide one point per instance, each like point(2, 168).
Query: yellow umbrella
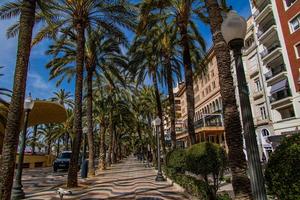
point(44, 112)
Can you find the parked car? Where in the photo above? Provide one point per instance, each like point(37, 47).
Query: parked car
point(62, 161)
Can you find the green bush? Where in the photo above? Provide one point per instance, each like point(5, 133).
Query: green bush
point(223, 197)
point(283, 170)
point(176, 160)
point(206, 158)
point(194, 187)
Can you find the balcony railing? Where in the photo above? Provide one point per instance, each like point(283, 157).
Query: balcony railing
point(269, 50)
point(265, 28)
point(261, 8)
point(275, 71)
point(209, 120)
point(280, 95)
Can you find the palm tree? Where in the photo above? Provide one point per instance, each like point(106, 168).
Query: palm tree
point(145, 62)
point(164, 36)
point(182, 14)
point(80, 16)
point(26, 9)
point(64, 98)
point(234, 139)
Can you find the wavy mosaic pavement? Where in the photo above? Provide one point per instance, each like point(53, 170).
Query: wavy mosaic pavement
point(126, 180)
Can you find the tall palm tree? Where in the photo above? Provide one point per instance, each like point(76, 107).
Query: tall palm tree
point(145, 62)
point(234, 139)
point(102, 55)
point(80, 16)
point(182, 14)
point(166, 41)
point(26, 9)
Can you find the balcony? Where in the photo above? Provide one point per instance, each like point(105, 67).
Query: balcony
point(257, 94)
point(259, 121)
point(260, 5)
point(275, 74)
point(263, 12)
point(271, 53)
point(267, 32)
point(281, 98)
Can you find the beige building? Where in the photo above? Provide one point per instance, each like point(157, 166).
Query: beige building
point(208, 106)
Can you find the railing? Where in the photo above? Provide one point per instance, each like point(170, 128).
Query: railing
point(264, 28)
point(261, 8)
point(208, 120)
point(269, 50)
point(274, 71)
point(280, 95)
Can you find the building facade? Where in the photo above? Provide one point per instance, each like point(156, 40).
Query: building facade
point(277, 60)
point(208, 106)
point(260, 105)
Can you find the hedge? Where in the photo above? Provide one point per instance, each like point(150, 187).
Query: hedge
point(283, 170)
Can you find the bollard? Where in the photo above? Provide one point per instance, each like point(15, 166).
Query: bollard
point(84, 168)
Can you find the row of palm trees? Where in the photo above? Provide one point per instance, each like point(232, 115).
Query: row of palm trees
point(88, 38)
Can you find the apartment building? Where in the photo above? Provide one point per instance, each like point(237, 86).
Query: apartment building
point(260, 105)
point(208, 106)
point(280, 75)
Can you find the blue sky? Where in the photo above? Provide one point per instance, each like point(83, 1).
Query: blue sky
point(37, 81)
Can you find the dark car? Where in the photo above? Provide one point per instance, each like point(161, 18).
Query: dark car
point(62, 161)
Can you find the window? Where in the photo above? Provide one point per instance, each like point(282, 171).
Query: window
point(287, 112)
point(212, 73)
point(297, 50)
point(203, 94)
point(258, 85)
point(265, 133)
point(295, 23)
point(214, 85)
point(289, 3)
point(263, 113)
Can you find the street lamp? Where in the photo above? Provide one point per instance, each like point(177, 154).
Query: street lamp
point(17, 192)
point(84, 163)
point(234, 30)
point(159, 176)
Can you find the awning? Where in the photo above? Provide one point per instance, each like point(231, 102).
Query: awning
point(279, 86)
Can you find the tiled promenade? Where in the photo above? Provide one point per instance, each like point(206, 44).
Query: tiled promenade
point(126, 180)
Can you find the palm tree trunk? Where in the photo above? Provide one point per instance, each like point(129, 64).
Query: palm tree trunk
point(73, 168)
point(49, 147)
point(12, 131)
point(240, 182)
point(189, 86)
point(35, 128)
point(110, 139)
point(159, 113)
point(66, 141)
point(58, 147)
point(114, 145)
point(172, 102)
point(89, 116)
point(102, 162)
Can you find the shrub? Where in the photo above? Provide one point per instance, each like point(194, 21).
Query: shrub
point(197, 188)
point(283, 170)
point(207, 159)
point(176, 160)
point(223, 197)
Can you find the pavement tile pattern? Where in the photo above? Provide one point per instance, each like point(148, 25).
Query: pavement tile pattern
point(129, 179)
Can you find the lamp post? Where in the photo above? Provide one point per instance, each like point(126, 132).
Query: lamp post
point(159, 176)
point(17, 192)
point(234, 30)
point(84, 162)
